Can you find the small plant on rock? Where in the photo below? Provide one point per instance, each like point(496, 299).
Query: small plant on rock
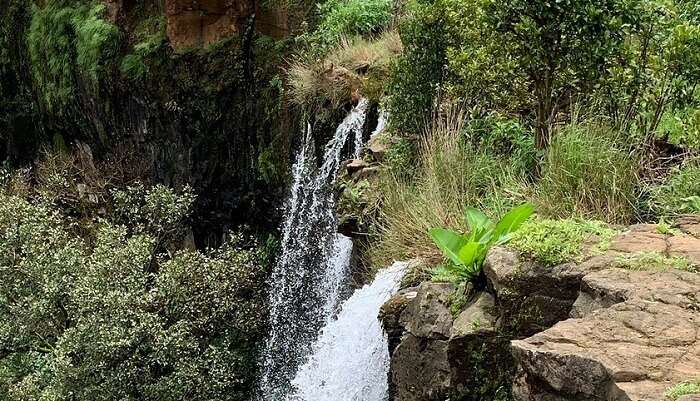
point(466, 253)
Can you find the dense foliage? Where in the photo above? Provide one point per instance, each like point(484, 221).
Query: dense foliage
point(69, 43)
point(115, 315)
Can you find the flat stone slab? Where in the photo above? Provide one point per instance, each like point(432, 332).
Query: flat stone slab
point(605, 288)
point(630, 351)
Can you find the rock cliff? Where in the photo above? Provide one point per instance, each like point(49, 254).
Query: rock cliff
point(596, 329)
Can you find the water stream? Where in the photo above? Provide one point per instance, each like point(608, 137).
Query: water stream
point(318, 349)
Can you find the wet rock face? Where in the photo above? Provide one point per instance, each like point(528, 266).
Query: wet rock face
point(436, 356)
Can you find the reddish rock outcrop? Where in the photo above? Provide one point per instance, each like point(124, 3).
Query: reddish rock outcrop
point(199, 23)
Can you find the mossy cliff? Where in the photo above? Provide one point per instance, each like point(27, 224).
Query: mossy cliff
point(191, 90)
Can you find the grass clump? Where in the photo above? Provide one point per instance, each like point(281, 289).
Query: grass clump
point(356, 66)
point(553, 242)
point(69, 40)
point(588, 174)
point(680, 193)
point(682, 389)
point(653, 261)
point(448, 174)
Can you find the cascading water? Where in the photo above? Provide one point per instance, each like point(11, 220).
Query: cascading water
point(351, 357)
point(313, 269)
point(348, 359)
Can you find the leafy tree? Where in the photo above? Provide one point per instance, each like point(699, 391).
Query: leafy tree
point(115, 317)
point(418, 75)
point(562, 47)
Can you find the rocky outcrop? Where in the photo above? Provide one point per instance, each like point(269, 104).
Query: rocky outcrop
point(199, 23)
point(437, 356)
point(632, 334)
point(631, 351)
point(194, 24)
point(532, 296)
point(581, 331)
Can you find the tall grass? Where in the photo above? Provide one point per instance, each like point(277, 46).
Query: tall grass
point(450, 175)
point(587, 173)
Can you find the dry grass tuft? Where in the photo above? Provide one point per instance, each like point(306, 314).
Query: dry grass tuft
point(345, 73)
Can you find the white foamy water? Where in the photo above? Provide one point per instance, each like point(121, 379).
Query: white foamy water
point(307, 283)
point(381, 123)
point(351, 357)
point(318, 349)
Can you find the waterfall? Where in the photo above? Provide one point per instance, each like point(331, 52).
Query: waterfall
point(313, 268)
point(319, 350)
point(351, 357)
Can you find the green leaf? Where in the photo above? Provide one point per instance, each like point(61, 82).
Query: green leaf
point(480, 225)
point(449, 242)
point(512, 221)
point(476, 219)
point(469, 253)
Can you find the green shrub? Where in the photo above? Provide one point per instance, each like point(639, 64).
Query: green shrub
point(69, 40)
point(340, 18)
point(681, 128)
point(588, 174)
point(400, 157)
point(681, 389)
point(465, 254)
point(418, 74)
point(150, 35)
point(496, 133)
point(115, 317)
point(679, 193)
point(553, 242)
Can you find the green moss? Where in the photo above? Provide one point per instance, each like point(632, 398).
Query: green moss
point(557, 241)
point(69, 41)
point(682, 389)
point(653, 261)
point(150, 34)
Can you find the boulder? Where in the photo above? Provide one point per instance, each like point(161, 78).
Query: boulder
point(428, 314)
point(531, 296)
point(630, 351)
point(390, 315)
point(378, 146)
point(420, 370)
point(356, 165)
point(438, 358)
point(476, 318)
